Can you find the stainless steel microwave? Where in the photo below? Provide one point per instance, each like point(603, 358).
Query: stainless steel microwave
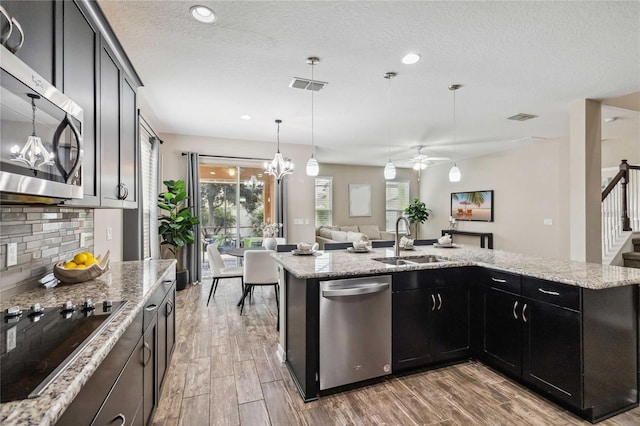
point(40, 138)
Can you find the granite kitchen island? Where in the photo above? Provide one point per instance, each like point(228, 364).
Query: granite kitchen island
point(546, 323)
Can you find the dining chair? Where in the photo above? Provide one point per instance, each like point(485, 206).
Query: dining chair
point(219, 270)
point(281, 248)
point(260, 269)
point(424, 242)
point(337, 246)
point(382, 243)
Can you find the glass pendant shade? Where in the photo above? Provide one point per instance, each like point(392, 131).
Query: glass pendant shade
point(313, 168)
point(389, 171)
point(454, 174)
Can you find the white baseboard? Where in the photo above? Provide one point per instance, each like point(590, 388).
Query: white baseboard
point(280, 353)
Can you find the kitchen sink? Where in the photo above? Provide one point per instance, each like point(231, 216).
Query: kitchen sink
point(395, 261)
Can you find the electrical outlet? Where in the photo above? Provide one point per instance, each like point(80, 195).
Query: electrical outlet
point(306, 221)
point(83, 239)
point(298, 221)
point(548, 222)
point(12, 254)
point(109, 233)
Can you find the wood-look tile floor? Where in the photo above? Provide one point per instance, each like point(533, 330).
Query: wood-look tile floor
point(224, 371)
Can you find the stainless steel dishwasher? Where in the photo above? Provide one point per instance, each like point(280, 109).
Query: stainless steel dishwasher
point(355, 330)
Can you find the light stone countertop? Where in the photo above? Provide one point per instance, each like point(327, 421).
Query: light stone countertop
point(132, 281)
point(341, 263)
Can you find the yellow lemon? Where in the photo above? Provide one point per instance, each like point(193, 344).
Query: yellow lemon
point(80, 258)
point(90, 262)
point(70, 265)
point(80, 267)
point(89, 255)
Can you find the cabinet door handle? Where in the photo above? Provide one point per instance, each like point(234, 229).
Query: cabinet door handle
point(147, 347)
point(150, 308)
point(433, 302)
point(16, 25)
point(551, 293)
point(524, 310)
point(440, 301)
point(5, 36)
point(169, 307)
point(515, 306)
point(498, 280)
point(121, 417)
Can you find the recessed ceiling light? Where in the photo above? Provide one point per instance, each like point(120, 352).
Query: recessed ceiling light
point(245, 117)
point(203, 14)
point(410, 58)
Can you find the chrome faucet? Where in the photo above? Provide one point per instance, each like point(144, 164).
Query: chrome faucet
point(397, 246)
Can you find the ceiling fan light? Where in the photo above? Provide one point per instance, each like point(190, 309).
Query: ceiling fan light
point(313, 168)
point(454, 174)
point(389, 171)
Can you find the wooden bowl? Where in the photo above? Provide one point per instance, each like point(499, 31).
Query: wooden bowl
point(73, 276)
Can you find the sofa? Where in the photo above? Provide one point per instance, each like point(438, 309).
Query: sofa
point(338, 234)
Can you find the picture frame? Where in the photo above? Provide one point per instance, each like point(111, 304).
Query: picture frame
point(472, 206)
point(359, 199)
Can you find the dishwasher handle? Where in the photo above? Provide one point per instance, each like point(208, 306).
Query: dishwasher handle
point(356, 290)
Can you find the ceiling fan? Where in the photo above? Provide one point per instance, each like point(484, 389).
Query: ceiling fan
point(420, 161)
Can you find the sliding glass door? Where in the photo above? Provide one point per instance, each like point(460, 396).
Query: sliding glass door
point(235, 201)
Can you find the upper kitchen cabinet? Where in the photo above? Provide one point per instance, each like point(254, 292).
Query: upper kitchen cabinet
point(35, 27)
point(80, 65)
point(118, 125)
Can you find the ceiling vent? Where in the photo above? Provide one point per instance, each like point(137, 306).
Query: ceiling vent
point(306, 84)
point(521, 117)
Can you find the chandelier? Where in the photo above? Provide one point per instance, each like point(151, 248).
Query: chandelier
point(33, 154)
point(280, 166)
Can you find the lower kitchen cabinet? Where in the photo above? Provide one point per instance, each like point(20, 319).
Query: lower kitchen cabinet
point(502, 330)
point(126, 386)
point(430, 318)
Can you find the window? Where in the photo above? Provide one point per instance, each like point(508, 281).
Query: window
point(149, 176)
point(323, 197)
point(397, 199)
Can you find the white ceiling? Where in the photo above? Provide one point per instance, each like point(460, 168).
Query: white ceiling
point(511, 57)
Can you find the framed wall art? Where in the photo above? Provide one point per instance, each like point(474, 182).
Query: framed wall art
point(475, 206)
point(359, 199)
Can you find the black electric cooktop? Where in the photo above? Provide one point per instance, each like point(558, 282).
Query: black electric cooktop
point(35, 347)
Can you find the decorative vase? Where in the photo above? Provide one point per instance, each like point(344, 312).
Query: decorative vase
point(182, 279)
point(270, 243)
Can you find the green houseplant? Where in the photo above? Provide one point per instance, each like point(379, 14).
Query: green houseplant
point(176, 225)
point(417, 212)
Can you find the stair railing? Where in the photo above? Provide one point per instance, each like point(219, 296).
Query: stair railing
point(620, 205)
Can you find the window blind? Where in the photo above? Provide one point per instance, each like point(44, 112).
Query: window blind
point(323, 200)
point(397, 199)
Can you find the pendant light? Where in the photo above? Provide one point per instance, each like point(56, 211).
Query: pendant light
point(389, 168)
point(279, 166)
point(454, 173)
point(33, 154)
point(313, 168)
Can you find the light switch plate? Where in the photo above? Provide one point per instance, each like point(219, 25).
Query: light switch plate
point(83, 239)
point(12, 254)
point(109, 233)
point(298, 221)
point(548, 222)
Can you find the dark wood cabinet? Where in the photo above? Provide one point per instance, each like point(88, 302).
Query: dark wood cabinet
point(502, 331)
point(166, 334)
point(40, 25)
point(551, 349)
point(430, 318)
point(129, 146)
point(150, 364)
point(124, 403)
point(80, 66)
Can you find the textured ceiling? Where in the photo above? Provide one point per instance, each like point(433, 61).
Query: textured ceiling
point(510, 57)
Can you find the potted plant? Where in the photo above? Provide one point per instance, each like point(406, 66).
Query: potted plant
point(417, 212)
point(176, 226)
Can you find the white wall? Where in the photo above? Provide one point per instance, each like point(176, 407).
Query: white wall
point(103, 219)
point(300, 186)
point(528, 185)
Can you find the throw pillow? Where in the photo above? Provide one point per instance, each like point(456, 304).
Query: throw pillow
point(352, 228)
point(371, 231)
point(356, 236)
point(339, 236)
point(325, 233)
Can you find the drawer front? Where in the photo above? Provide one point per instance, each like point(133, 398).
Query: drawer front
point(153, 304)
point(504, 281)
point(564, 295)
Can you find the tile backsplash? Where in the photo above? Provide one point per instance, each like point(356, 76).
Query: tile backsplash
point(44, 236)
